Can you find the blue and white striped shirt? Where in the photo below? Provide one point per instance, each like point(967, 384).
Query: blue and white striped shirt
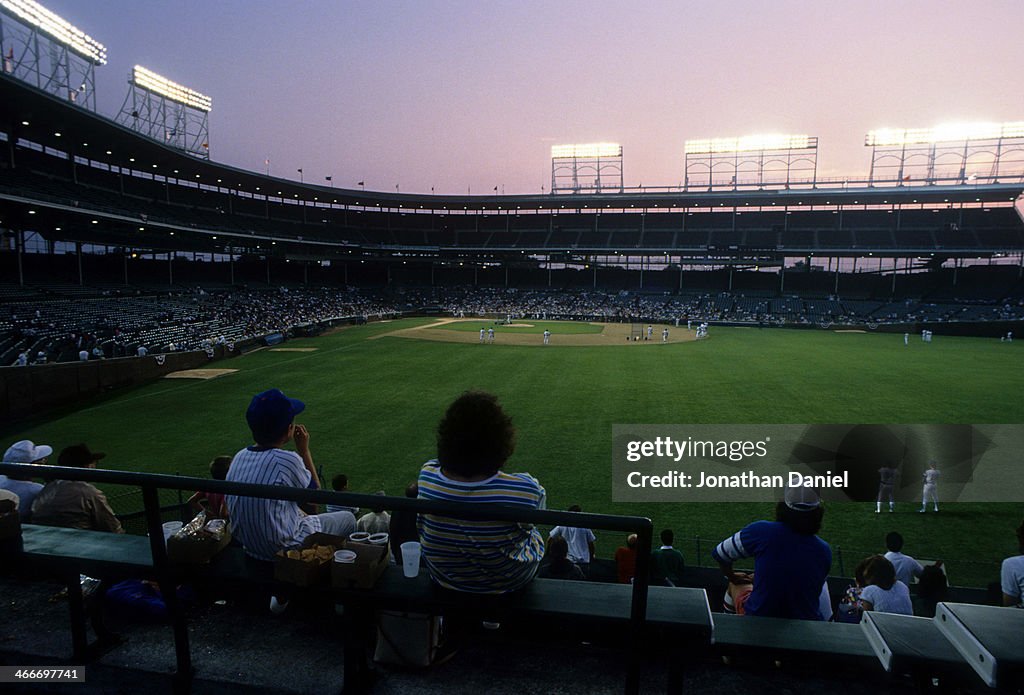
point(265, 526)
point(491, 557)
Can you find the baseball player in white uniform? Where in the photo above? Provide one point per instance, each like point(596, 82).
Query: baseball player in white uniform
point(931, 477)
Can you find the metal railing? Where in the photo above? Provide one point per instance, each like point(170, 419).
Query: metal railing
point(151, 484)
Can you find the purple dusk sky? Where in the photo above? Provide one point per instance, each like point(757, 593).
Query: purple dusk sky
point(460, 95)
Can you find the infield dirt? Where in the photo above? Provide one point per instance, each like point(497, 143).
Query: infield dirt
point(611, 334)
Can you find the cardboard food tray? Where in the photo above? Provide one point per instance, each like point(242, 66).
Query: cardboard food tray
point(308, 573)
point(370, 563)
point(194, 550)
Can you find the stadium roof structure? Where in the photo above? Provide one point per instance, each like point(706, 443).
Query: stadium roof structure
point(46, 115)
point(32, 115)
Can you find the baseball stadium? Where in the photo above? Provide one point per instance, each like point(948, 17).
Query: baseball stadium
point(863, 323)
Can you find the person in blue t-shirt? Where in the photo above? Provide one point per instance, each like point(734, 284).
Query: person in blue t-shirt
point(790, 562)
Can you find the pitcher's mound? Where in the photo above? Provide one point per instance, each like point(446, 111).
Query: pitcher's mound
point(199, 373)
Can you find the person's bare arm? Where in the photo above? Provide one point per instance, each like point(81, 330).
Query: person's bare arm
point(195, 502)
point(302, 448)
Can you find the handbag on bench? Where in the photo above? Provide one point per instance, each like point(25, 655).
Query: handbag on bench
point(410, 640)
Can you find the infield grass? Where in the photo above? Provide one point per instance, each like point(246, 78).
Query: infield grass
point(524, 326)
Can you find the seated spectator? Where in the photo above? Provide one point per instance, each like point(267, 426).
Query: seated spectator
point(213, 503)
point(265, 526)
point(75, 503)
point(475, 438)
point(882, 591)
point(790, 562)
point(625, 560)
point(906, 567)
point(1011, 574)
point(21, 485)
point(560, 565)
point(580, 540)
point(932, 588)
point(667, 563)
point(339, 483)
point(850, 608)
point(404, 525)
point(376, 521)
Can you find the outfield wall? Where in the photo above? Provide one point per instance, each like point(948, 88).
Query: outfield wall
point(36, 389)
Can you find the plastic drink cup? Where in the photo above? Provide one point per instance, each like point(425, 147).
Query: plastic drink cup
point(170, 528)
point(411, 558)
point(345, 556)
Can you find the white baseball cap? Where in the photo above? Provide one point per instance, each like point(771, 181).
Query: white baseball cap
point(26, 452)
point(802, 499)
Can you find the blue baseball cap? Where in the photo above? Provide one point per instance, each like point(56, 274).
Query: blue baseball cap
point(270, 413)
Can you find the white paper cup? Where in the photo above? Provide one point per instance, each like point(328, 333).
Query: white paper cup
point(378, 539)
point(411, 558)
point(359, 537)
point(171, 528)
point(345, 556)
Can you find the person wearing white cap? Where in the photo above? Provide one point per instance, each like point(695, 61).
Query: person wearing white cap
point(20, 484)
point(790, 562)
point(26, 451)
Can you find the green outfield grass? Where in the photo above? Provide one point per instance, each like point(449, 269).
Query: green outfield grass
point(538, 327)
point(372, 406)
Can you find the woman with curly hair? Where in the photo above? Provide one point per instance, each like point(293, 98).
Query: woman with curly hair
point(474, 440)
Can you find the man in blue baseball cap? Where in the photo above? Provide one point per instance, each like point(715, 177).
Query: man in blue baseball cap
point(266, 526)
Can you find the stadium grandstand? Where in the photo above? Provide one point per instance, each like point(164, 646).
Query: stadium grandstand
point(90, 208)
point(122, 238)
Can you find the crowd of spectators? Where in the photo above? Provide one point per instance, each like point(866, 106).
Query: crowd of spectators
point(40, 331)
point(60, 330)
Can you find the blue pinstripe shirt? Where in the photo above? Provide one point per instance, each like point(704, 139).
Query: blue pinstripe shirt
point(263, 525)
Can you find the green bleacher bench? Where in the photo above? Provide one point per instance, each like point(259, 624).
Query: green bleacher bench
point(905, 644)
point(95, 553)
point(783, 636)
point(681, 613)
point(989, 638)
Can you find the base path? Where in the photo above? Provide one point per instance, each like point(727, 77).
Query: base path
point(611, 334)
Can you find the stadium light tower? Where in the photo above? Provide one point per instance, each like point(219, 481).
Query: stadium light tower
point(946, 153)
point(41, 48)
point(167, 112)
point(766, 159)
point(580, 168)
